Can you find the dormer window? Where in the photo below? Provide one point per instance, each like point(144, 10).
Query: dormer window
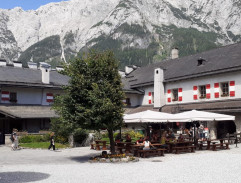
point(200, 61)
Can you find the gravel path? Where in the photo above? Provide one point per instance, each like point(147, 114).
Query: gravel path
point(70, 165)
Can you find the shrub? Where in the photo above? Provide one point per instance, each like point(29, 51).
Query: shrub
point(42, 138)
point(133, 134)
point(61, 139)
point(31, 138)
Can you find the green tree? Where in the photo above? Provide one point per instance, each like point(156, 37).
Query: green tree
point(93, 98)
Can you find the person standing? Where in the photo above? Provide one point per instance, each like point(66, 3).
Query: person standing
point(200, 130)
point(14, 139)
point(52, 141)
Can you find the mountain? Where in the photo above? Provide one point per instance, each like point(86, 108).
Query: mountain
point(138, 31)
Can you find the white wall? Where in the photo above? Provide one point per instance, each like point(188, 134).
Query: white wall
point(135, 99)
point(147, 89)
point(187, 87)
point(29, 95)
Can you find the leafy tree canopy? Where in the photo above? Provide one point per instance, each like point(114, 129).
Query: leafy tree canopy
point(93, 98)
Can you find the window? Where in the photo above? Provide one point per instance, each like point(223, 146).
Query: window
point(13, 97)
point(128, 101)
point(175, 95)
point(225, 89)
point(202, 92)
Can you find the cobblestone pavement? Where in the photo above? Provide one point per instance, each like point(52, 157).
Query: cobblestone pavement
point(71, 165)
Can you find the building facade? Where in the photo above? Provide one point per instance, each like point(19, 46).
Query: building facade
point(26, 96)
point(209, 81)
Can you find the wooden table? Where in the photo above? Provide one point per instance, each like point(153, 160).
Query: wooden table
point(138, 149)
point(178, 144)
point(124, 145)
point(100, 142)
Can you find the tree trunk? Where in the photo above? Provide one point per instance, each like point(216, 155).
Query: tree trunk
point(112, 143)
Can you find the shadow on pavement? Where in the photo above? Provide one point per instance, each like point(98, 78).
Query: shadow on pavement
point(21, 177)
point(85, 158)
point(80, 159)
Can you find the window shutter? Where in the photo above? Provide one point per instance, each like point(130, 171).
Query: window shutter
point(180, 94)
point(168, 95)
point(49, 97)
point(5, 95)
point(194, 92)
point(149, 97)
point(208, 93)
point(216, 90)
point(232, 88)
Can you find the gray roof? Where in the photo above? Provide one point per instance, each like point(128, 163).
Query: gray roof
point(127, 89)
point(220, 60)
point(140, 109)
point(30, 77)
point(28, 111)
point(214, 106)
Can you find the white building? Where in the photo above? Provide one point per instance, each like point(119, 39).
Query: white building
point(209, 81)
point(27, 95)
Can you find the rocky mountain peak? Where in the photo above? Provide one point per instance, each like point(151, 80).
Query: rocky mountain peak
point(138, 31)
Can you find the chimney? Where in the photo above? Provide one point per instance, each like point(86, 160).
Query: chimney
point(3, 62)
point(175, 53)
point(45, 69)
point(159, 94)
point(32, 65)
point(17, 64)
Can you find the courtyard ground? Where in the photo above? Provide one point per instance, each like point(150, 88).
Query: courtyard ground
point(71, 165)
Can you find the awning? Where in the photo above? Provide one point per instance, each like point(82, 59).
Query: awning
point(147, 116)
point(24, 112)
point(195, 115)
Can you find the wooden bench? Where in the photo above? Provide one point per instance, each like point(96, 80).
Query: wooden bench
point(220, 146)
point(95, 146)
point(150, 152)
point(184, 148)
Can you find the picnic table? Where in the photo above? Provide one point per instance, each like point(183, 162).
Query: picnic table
point(98, 143)
point(213, 144)
point(138, 150)
point(124, 145)
point(180, 146)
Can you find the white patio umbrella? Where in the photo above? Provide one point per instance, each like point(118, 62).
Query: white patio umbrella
point(147, 116)
point(195, 115)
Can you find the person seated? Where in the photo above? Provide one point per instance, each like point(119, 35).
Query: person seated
point(140, 141)
point(147, 144)
point(128, 138)
point(118, 138)
point(171, 135)
point(180, 138)
point(154, 137)
point(164, 139)
point(187, 132)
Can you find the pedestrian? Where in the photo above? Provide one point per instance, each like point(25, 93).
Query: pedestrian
point(52, 141)
point(14, 139)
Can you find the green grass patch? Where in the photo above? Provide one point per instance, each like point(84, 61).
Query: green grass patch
point(42, 145)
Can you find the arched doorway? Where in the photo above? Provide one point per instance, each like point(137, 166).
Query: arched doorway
point(224, 127)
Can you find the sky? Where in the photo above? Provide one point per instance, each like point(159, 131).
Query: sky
point(25, 4)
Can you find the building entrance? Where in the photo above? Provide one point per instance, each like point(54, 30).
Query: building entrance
point(224, 127)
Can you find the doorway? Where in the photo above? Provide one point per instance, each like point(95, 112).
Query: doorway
point(224, 127)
